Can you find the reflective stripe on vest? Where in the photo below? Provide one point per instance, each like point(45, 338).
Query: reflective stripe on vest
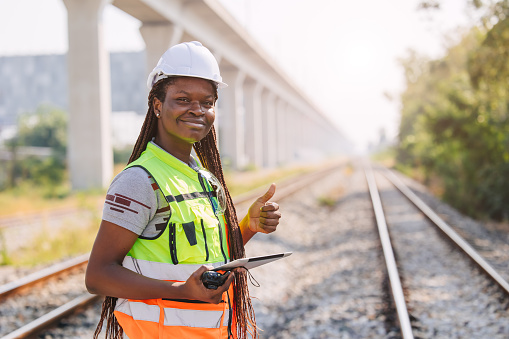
point(162, 271)
point(174, 316)
point(198, 237)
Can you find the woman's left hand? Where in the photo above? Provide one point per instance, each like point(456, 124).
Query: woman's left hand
point(263, 216)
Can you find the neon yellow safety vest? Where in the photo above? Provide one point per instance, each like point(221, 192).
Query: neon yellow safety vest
point(194, 235)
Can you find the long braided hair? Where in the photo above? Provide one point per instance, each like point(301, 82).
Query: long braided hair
point(208, 153)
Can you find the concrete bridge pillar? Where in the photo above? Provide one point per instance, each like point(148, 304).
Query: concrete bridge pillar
point(253, 123)
point(231, 119)
point(158, 37)
point(290, 133)
point(269, 129)
point(302, 134)
point(293, 133)
point(309, 131)
point(281, 132)
point(90, 154)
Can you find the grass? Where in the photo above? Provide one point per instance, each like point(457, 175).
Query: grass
point(27, 198)
point(48, 246)
point(45, 248)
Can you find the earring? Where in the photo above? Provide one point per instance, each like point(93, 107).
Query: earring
point(158, 115)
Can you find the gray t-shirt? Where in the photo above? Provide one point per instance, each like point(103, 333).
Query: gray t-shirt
point(135, 202)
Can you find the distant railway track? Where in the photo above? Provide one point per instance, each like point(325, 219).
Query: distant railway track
point(423, 272)
point(32, 283)
point(34, 218)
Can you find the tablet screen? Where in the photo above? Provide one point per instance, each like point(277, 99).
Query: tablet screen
point(252, 262)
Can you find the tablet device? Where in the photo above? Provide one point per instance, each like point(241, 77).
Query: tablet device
point(252, 262)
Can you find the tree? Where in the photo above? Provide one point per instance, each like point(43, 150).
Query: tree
point(46, 127)
point(454, 124)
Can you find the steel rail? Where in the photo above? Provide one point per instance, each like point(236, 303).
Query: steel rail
point(31, 279)
point(52, 317)
point(288, 187)
point(390, 261)
point(445, 228)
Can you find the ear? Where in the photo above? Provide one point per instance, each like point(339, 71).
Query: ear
point(157, 107)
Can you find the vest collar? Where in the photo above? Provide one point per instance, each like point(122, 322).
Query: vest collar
point(173, 162)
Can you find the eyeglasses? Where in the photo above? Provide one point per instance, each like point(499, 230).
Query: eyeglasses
point(217, 188)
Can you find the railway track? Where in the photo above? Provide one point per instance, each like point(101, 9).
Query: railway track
point(436, 290)
point(47, 316)
point(332, 286)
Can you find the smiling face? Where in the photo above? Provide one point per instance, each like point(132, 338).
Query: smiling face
point(186, 114)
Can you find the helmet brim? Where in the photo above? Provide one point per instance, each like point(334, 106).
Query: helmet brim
point(156, 76)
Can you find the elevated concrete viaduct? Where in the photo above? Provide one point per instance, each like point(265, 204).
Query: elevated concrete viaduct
point(263, 119)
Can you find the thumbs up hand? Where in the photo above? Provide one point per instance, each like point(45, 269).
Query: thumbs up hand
point(264, 215)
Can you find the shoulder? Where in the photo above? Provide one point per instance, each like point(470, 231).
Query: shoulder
point(132, 174)
point(135, 184)
point(131, 201)
point(136, 179)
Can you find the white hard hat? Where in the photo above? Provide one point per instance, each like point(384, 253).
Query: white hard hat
point(189, 59)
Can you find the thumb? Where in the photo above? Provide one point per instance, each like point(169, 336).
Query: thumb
point(269, 194)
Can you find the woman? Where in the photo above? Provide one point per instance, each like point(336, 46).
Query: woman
point(167, 220)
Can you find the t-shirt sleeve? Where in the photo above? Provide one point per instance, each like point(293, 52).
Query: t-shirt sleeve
point(130, 201)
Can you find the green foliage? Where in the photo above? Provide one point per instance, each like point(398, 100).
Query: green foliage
point(454, 124)
point(45, 129)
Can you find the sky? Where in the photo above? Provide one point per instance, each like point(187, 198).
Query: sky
point(342, 54)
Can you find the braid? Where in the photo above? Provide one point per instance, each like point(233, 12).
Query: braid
point(148, 131)
point(207, 152)
point(113, 328)
point(149, 128)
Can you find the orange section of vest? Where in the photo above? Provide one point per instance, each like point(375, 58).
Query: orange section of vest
point(142, 329)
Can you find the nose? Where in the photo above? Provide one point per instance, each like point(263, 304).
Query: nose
point(196, 108)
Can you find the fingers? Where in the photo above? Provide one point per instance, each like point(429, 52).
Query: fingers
point(269, 217)
point(269, 223)
point(216, 296)
point(270, 206)
point(265, 215)
point(196, 290)
point(270, 211)
point(223, 288)
point(267, 228)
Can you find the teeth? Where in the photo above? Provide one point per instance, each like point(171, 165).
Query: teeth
point(194, 122)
